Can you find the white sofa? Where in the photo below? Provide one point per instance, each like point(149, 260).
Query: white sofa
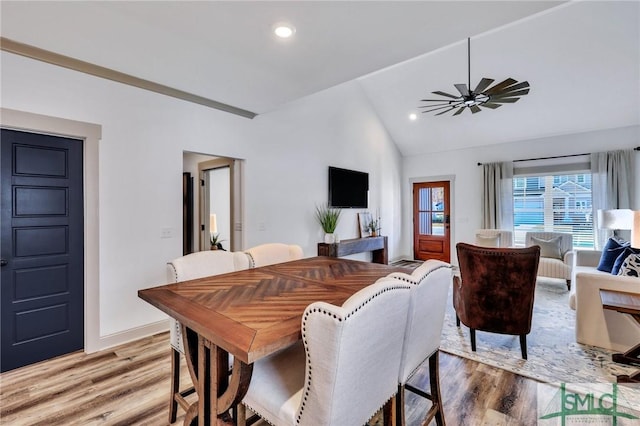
point(594, 325)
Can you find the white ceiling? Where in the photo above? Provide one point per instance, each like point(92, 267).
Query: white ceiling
point(582, 59)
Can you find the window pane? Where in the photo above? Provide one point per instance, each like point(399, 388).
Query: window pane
point(423, 200)
point(425, 223)
point(437, 199)
point(438, 223)
point(560, 203)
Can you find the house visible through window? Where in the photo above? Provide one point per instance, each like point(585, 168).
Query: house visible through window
point(558, 203)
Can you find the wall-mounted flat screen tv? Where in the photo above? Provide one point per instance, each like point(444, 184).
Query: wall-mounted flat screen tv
point(348, 188)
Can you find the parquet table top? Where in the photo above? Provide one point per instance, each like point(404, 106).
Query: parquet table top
point(255, 312)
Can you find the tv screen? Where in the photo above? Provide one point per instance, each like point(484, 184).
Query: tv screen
point(348, 188)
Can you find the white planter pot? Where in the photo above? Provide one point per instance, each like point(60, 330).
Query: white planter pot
point(329, 238)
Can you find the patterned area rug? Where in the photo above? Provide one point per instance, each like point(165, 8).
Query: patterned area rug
point(553, 354)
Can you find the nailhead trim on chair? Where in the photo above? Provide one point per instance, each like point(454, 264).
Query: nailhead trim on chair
point(252, 262)
point(304, 320)
point(175, 273)
point(416, 281)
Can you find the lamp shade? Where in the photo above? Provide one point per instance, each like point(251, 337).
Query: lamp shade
point(615, 219)
point(213, 225)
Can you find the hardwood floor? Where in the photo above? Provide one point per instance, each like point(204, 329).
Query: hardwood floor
point(129, 385)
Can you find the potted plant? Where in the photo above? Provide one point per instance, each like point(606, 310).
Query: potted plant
point(328, 218)
point(373, 228)
point(216, 242)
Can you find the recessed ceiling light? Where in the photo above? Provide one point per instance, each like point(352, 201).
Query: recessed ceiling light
point(413, 116)
point(284, 30)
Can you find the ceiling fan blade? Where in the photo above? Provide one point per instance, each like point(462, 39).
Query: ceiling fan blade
point(459, 111)
point(502, 85)
point(437, 109)
point(445, 94)
point(484, 83)
point(435, 105)
point(475, 108)
point(523, 85)
point(504, 100)
point(435, 100)
point(510, 94)
point(462, 88)
point(446, 111)
point(490, 105)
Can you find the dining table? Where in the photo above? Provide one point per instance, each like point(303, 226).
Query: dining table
point(250, 314)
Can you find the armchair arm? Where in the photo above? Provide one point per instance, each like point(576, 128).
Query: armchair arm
point(568, 257)
point(458, 299)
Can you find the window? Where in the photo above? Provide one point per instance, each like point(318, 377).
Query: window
point(559, 202)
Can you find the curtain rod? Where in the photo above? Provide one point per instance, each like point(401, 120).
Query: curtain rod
point(637, 148)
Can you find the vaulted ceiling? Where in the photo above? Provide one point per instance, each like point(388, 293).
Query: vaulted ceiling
point(581, 58)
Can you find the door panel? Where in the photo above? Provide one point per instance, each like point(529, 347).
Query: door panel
point(431, 229)
point(42, 287)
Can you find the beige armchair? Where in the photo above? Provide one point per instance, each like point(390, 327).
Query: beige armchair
point(270, 253)
point(494, 238)
point(556, 254)
point(191, 267)
point(348, 368)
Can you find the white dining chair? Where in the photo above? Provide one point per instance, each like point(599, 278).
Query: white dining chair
point(430, 284)
point(271, 253)
point(346, 367)
point(189, 267)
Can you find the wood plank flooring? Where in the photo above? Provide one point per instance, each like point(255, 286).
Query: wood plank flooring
point(129, 385)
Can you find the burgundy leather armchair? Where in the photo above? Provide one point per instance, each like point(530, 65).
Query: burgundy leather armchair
point(495, 290)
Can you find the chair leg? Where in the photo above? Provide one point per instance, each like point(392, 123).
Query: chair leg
point(434, 378)
point(175, 384)
point(523, 345)
point(400, 420)
point(473, 339)
point(457, 321)
point(568, 284)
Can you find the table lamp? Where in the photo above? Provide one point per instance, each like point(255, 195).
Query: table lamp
point(615, 220)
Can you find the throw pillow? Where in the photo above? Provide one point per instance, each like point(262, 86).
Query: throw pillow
point(488, 241)
point(610, 253)
point(631, 266)
point(548, 248)
point(621, 258)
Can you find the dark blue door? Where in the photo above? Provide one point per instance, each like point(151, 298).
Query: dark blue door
point(42, 286)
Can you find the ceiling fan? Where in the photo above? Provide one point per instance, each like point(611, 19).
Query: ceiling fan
point(505, 92)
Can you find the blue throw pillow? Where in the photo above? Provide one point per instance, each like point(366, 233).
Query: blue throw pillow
point(610, 253)
point(621, 258)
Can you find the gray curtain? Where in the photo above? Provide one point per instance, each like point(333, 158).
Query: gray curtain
point(497, 200)
point(613, 182)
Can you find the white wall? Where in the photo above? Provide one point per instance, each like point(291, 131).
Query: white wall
point(461, 166)
point(287, 174)
point(144, 134)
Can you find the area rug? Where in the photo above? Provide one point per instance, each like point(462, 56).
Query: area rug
point(553, 354)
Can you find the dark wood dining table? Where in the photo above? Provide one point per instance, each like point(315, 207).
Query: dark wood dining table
point(250, 314)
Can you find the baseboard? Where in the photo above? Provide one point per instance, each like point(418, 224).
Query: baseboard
point(130, 335)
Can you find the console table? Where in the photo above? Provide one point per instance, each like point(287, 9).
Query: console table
point(376, 245)
point(626, 303)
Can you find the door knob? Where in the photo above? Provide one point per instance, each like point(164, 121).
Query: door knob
point(3, 262)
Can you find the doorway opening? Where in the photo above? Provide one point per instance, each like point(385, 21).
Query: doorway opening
point(212, 203)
